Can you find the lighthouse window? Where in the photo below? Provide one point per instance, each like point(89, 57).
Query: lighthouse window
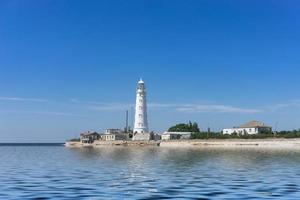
point(140, 115)
point(141, 108)
point(141, 101)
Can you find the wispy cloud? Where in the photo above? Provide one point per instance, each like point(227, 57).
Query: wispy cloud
point(289, 104)
point(194, 108)
point(22, 99)
point(100, 106)
point(56, 113)
point(184, 108)
point(209, 108)
point(221, 108)
point(50, 113)
point(163, 105)
point(204, 107)
point(111, 106)
point(72, 100)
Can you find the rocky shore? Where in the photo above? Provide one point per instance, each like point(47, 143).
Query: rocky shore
point(217, 143)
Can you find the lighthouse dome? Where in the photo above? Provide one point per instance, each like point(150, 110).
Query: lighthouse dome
point(141, 81)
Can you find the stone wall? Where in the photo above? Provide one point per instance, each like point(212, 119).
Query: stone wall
point(141, 137)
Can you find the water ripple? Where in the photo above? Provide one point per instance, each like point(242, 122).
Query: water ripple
point(55, 172)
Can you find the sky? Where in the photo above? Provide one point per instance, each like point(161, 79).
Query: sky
point(72, 66)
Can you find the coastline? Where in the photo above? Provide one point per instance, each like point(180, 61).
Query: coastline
point(211, 143)
point(97, 144)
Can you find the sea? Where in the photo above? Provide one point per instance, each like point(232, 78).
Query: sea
point(52, 171)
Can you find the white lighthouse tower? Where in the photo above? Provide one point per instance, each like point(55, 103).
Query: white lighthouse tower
point(141, 119)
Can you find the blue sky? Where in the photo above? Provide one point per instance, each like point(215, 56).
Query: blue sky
point(71, 66)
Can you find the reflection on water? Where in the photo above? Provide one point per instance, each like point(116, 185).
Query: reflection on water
point(55, 172)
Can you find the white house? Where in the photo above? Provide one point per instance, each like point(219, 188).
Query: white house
point(251, 128)
point(114, 134)
point(113, 131)
point(113, 137)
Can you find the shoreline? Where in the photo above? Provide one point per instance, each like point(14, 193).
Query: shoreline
point(100, 144)
point(235, 143)
point(210, 143)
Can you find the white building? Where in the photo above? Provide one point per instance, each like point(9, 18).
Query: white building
point(251, 128)
point(113, 137)
point(141, 120)
point(141, 129)
point(114, 134)
point(113, 131)
point(176, 136)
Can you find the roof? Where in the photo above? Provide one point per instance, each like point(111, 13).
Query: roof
point(114, 129)
point(252, 124)
point(89, 133)
point(141, 81)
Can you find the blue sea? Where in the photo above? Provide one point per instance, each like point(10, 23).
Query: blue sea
point(51, 171)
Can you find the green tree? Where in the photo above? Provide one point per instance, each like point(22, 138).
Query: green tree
point(189, 127)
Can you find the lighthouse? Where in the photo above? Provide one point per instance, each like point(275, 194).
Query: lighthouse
point(141, 119)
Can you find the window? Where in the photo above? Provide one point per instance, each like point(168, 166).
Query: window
point(140, 115)
point(141, 87)
point(141, 108)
